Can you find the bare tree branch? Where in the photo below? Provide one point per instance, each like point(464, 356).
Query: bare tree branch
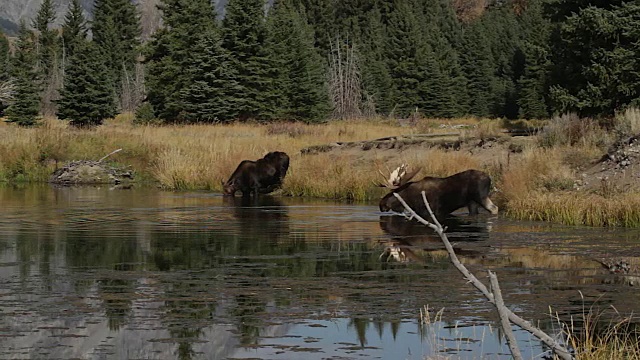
point(109, 154)
point(7, 88)
point(504, 317)
point(558, 349)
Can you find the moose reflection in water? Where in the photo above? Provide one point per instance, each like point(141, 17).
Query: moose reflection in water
point(152, 274)
point(408, 237)
point(264, 217)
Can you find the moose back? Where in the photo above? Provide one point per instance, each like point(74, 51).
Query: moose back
point(469, 189)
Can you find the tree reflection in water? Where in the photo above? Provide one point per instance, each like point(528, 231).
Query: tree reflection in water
point(148, 272)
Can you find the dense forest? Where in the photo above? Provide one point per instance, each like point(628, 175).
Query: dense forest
point(314, 60)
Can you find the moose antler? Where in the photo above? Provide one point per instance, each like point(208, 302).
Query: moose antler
point(398, 177)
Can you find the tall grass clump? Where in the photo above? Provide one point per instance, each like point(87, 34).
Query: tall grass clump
point(627, 123)
point(572, 209)
point(333, 177)
point(484, 129)
point(25, 153)
point(537, 170)
point(572, 130)
point(595, 338)
point(540, 187)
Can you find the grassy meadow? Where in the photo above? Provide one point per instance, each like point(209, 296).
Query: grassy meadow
point(534, 183)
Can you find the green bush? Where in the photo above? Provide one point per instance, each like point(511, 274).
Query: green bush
point(145, 115)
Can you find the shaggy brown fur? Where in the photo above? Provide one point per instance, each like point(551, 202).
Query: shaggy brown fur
point(258, 177)
point(469, 188)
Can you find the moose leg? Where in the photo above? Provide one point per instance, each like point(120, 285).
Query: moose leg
point(473, 208)
point(489, 205)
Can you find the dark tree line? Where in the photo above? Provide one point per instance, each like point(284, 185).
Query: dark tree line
point(296, 59)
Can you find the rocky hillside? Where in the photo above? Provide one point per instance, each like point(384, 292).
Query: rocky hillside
point(12, 11)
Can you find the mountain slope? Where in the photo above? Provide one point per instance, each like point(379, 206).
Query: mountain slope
point(12, 11)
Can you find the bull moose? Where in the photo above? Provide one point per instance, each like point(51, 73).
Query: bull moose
point(258, 177)
point(469, 189)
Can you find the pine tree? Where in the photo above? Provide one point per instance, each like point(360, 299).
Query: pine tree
point(351, 18)
point(411, 62)
point(447, 95)
point(477, 64)
point(5, 66)
point(300, 83)
point(171, 51)
point(320, 15)
point(5, 58)
point(116, 30)
point(375, 74)
point(74, 29)
point(47, 37)
point(244, 36)
point(49, 59)
point(500, 28)
point(533, 83)
point(25, 109)
point(206, 98)
point(87, 97)
point(595, 57)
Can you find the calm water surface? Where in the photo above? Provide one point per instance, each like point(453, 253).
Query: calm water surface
point(99, 273)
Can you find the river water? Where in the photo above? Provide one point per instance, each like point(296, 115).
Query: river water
point(100, 273)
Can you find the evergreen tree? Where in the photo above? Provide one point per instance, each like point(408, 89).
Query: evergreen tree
point(5, 68)
point(375, 74)
point(116, 30)
point(206, 98)
point(46, 37)
point(87, 97)
point(5, 58)
point(448, 91)
point(74, 29)
point(25, 108)
point(533, 82)
point(477, 64)
point(320, 15)
point(351, 18)
point(244, 36)
point(500, 28)
point(48, 54)
point(411, 63)
point(300, 83)
point(170, 52)
point(596, 52)
point(449, 97)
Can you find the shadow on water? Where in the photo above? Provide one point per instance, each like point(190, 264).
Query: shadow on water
point(141, 273)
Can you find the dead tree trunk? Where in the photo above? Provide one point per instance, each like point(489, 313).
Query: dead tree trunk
point(344, 81)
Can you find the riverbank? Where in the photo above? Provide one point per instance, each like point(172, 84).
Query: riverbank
point(548, 176)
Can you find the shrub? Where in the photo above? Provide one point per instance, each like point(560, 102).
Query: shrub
point(570, 129)
point(145, 115)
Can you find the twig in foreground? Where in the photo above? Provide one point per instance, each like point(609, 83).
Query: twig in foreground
point(558, 349)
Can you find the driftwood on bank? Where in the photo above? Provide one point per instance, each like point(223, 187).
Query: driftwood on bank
point(450, 140)
point(390, 142)
point(558, 349)
point(86, 172)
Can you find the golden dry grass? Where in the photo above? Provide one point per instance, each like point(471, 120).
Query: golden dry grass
point(536, 184)
point(192, 156)
point(597, 339)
